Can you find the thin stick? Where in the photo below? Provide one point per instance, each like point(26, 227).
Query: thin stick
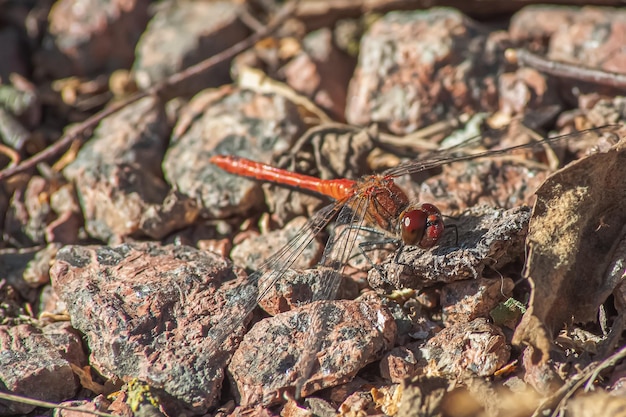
point(46, 404)
point(565, 70)
point(75, 133)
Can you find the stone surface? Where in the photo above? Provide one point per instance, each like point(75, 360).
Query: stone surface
point(268, 361)
point(91, 35)
point(463, 301)
point(418, 68)
point(184, 33)
point(29, 212)
point(27, 269)
point(477, 348)
point(228, 121)
point(321, 71)
point(148, 312)
point(399, 364)
point(45, 211)
point(118, 179)
point(36, 364)
point(524, 90)
point(590, 37)
point(252, 252)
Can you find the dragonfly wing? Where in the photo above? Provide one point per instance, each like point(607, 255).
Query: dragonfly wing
point(340, 245)
point(455, 154)
point(336, 254)
point(244, 298)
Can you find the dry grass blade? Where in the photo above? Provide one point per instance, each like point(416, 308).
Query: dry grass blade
point(46, 404)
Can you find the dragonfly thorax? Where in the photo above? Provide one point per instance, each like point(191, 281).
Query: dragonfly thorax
point(385, 201)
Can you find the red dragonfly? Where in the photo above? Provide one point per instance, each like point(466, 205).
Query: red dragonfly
point(373, 201)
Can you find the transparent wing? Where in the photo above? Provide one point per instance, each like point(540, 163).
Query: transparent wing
point(448, 156)
point(336, 254)
point(245, 297)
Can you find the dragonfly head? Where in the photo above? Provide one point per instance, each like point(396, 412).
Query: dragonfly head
point(421, 225)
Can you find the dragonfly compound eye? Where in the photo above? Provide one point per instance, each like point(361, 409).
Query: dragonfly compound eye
point(422, 226)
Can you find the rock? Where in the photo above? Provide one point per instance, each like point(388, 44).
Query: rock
point(419, 68)
point(251, 253)
point(463, 301)
point(149, 312)
point(90, 36)
point(399, 364)
point(27, 269)
point(118, 179)
point(268, 361)
point(590, 37)
point(466, 349)
point(182, 34)
point(35, 364)
point(321, 71)
point(228, 121)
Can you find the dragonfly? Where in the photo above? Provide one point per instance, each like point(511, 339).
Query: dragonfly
point(370, 202)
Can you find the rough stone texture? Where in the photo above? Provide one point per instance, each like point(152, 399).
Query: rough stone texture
point(252, 252)
point(118, 179)
point(267, 361)
point(29, 212)
point(293, 288)
point(399, 364)
point(37, 271)
point(463, 301)
point(594, 39)
point(486, 237)
point(538, 23)
point(49, 303)
point(91, 35)
point(182, 34)
point(418, 68)
point(228, 121)
point(321, 71)
point(589, 36)
point(67, 340)
point(36, 364)
point(466, 349)
point(524, 90)
point(148, 312)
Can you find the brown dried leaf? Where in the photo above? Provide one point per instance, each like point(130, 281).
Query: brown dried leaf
point(423, 396)
point(577, 224)
point(599, 403)
point(258, 81)
point(86, 379)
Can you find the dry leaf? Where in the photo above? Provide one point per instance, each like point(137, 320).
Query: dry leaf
point(256, 80)
point(599, 403)
point(577, 224)
point(86, 380)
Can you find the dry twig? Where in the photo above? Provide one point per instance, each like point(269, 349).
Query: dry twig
point(46, 404)
point(561, 69)
point(77, 132)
